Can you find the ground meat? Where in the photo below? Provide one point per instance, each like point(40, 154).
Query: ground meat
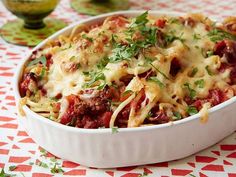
point(28, 79)
point(89, 113)
point(175, 67)
point(215, 97)
point(158, 117)
point(227, 49)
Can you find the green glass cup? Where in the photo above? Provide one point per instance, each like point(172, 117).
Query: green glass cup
point(32, 28)
point(31, 11)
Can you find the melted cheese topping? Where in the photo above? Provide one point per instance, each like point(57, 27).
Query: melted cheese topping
point(86, 50)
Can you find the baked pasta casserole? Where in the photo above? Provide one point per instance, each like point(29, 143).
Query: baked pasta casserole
point(131, 72)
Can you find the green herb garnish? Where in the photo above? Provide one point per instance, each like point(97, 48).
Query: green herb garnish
point(192, 92)
point(196, 36)
point(43, 72)
point(12, 168)
point(127, 92)
point(209, 53)
point(56, 169)
point(177, 115)
point(114, 130)
point(208, 70)
point(191, 110)
point(149, 115)
point(86, 37)
point(194, 71)
point(159, 71)
point(102, 63)
point(123, 52)
point(173, 20)
point(41, 60)
point(156, 80)
point(216, 35)
point(200, 83)
point(144, 174)
point(42, 164)
point(43, 152)
point(171, 37)
point(3, 174)
point(95, 76)
point(140, 20)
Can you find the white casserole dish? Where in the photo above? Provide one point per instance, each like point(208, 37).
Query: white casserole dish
point(130, 146)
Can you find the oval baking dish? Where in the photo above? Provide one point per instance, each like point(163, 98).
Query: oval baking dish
point(103, 148)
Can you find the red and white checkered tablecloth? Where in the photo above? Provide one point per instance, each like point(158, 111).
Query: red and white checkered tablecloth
point(18, 150)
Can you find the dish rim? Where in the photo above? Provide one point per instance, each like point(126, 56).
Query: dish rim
point(55, 124)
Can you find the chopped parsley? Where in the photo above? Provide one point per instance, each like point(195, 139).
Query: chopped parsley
point(114, 130)
point(140, 20)
point(43, 152)
point(56, 169)
point(196, 36)
point(53, 159)
point(192, 92)
point(192, 175)
point(200, 83)
point(191, 110)
point(84, 36)
point(94, 77)
point(150, 34)
point(12, 168)
point(42, 74)
point(123, 52)
point(173, 20)
point(102, 64)
point(41, 60)
point(177, 115)
point(171, 37)
point(194, 71)
point(144, 174)
point(3, 174)
point(163, 74)
point(127, 92)
point(216, 35)
point(149, 115)
point(208, 70)
point(209, 53)
point(156, 80)
point(73, 58)
point(42, 164)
